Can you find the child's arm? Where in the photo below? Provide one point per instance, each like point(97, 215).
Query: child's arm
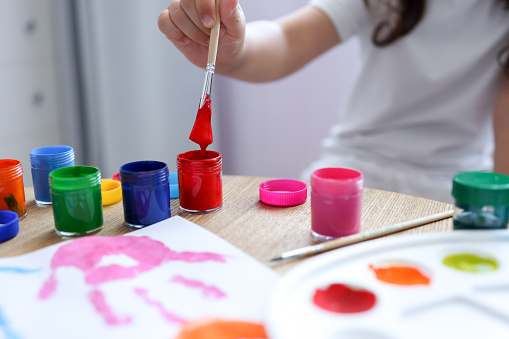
point(501, 128)
point(260, 51)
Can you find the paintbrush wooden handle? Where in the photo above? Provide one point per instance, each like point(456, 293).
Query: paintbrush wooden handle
point(353, 239)
point(214, 37)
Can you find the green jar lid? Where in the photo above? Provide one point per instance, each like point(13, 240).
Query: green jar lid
point(481, 188)
point(74, 178)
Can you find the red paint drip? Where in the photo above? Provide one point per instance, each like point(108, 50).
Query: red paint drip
point(202, 129)
point(341, 298)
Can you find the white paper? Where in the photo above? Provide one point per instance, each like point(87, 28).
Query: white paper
point(145, 284)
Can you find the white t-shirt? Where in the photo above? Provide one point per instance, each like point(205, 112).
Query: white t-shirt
point(421, 106)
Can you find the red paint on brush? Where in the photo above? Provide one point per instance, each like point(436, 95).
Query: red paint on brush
point(341, 298)
point(202, 129)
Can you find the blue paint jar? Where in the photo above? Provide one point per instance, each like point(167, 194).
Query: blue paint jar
point(146, 193)
point(44, 160)
point(481, 200)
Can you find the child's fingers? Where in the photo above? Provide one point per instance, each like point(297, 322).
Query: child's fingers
point(232, 18)
point(206, 10)
point(178, 26)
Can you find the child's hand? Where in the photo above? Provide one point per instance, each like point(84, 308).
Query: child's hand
point(187, 23)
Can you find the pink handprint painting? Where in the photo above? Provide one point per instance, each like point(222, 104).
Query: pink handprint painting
point(149, 283)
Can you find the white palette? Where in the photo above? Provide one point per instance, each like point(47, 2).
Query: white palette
point(456, 304)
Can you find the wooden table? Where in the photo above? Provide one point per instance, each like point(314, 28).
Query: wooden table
point(260, 230)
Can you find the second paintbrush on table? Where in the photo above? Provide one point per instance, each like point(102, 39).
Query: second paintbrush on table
point(356, 238)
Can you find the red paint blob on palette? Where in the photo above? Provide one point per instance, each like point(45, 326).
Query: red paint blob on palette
point(401, 275)
point(341, 298)
point(202, 129)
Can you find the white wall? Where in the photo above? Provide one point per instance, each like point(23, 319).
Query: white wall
point(30, 115)
point(275, 129)
point(142, 96)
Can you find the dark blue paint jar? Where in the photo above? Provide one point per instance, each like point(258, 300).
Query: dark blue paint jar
point(146, 193)
point(44, 160)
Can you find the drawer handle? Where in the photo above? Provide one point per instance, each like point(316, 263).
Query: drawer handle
point(38, 98)
point(30, 25)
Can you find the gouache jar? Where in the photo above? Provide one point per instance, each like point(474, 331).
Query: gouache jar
point(146, 193)
point(12, 191)
point(76, 199)
point(44, 160)
point(200, 181)
point(481, 201)
point(336, 200)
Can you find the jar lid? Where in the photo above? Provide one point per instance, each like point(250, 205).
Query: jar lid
point(283, 192)
point(481, 188)
point(111, 191)
point(9, 225)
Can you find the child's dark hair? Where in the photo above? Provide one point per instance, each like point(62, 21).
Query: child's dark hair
point(407, 14)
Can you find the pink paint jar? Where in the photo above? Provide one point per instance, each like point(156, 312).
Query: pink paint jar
point(336, 200)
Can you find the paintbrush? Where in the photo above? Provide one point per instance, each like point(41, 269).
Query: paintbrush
point(202, 129)
point(359, 237)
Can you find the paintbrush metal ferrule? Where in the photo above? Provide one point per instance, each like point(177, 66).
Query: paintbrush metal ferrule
point(300, 252)
point(207, 84)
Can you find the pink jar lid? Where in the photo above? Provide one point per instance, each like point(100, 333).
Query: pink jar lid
point(283, 192)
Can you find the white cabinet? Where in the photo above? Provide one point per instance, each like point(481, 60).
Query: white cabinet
point(25, 30)
point(29, 110)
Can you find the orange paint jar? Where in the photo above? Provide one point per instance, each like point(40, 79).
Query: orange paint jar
point(12, 192)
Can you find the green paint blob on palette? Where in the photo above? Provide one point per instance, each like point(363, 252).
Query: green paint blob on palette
point(469, 262)
point(411, 286)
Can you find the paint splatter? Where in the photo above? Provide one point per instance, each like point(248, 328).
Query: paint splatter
point(400, 275)
point(169, 316)
point(98, 299)
point(19, 270)
point(470, 263)
point(5, 327)
point(144, 253)
point(341, 298)
point(208, 291)
point(222, 329)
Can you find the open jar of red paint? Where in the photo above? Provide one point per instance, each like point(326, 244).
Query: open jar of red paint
point(200, 181)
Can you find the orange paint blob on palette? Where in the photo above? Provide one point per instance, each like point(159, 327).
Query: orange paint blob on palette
point(222, 329)
point(400, 275)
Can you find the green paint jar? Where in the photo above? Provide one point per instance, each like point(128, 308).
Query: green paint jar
point(481, 200)
point(76, 200)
